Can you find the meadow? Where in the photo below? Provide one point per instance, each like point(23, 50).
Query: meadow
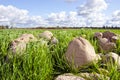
point(41, 62)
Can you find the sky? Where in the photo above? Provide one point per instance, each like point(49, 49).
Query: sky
point(67, 13)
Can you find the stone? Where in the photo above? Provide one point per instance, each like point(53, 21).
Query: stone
point(80, 52)
point(97, 34)
point(108, 35)
point(104, 43)
point(82, 76)
point(43, 42)
point(111, 37)
point(112, 57)
point(69, 76)
point(46, 35)
point(27, 38)
point(54, 40)
point(114, 39)
point(94, 76)
point(19, 45)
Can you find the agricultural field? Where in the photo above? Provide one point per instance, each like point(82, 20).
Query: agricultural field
point(41, 62)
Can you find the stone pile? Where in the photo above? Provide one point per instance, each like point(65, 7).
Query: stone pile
point(106, 40)
point(19, 45)
point(79, 53)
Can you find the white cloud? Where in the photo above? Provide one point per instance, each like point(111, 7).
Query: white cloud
point(92, 6)
point(96, 19)
point(115, 19)
point(116, 14)
point(89, 14)
point(56, 17)
point(10, 15)
point(91, 10)
point(19, 17)
point(33, 21)
point(62, 19)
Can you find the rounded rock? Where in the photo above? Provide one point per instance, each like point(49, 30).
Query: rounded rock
point(69, 76)
point(112, 57)
point(46, 35)
point(80, 52)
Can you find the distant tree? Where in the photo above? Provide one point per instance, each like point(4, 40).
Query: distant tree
point(4, 27)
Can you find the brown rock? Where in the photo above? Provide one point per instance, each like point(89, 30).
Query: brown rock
point(104, 43)
point(114, 38)
point(80, 52)
point(97, 34)
point(108, 35)
point(111, 37)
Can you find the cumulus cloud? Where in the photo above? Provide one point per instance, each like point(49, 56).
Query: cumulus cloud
point(96, 20)
point(89, 14)
point(63, 19)
point(115, 19)
point(56, 17)
point(92, 6)
point(91, 10)
point(10, 15)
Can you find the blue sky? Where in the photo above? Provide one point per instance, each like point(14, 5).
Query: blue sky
point(41, 7)
point(33, 13)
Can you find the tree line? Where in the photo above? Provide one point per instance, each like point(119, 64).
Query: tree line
point(58, 27)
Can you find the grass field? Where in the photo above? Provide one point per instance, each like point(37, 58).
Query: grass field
point(42, 62)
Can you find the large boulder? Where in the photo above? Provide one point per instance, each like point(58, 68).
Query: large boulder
point(69, 76)
point(19, 45)
point(46, 35)
point(80, 52)
point(27, 38)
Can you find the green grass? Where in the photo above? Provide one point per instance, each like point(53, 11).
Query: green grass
point(41, 62)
